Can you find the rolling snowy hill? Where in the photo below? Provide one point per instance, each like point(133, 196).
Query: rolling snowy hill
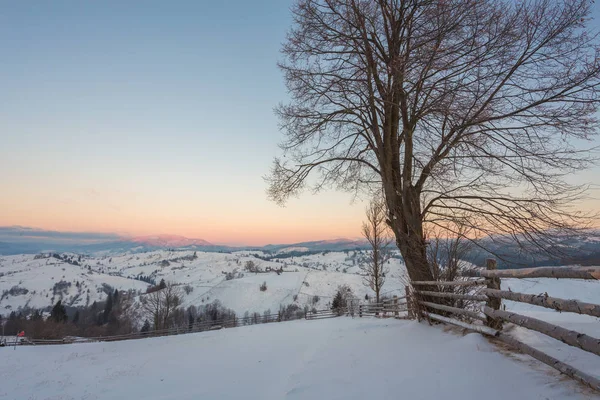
point(38, 281)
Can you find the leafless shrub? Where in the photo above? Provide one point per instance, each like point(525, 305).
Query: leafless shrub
point(160, 305)
point(377, 234)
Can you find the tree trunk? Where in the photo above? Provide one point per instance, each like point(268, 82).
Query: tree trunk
point(413, 251)
point(407, 225)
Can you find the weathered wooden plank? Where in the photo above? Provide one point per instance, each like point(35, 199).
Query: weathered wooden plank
point(476, 328)
point(452, 295)
point(476, 282)
point(410, 302)
point(454, 310)
point(541, 272)
point(567, 336)
point(566, 369)
point(393, 299)
point(543, 300)
point(493, 303)
point(323, 317)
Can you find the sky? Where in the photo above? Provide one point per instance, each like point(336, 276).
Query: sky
point(152, 117)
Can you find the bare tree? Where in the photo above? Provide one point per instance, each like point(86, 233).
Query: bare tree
point(160, 305)
point(459, 109)
point(375, 230)
point(447, 255)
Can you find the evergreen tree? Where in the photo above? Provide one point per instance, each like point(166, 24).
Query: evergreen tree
point(76, 317)
point(145, 327)
point(107, 308)
point(36, 316)
point(162, 284)
point(190, 320)
point(59, 313)
point(116, 297)
point(338, 301)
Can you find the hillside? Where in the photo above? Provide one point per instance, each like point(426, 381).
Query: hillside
point(38, 281)
point(340, 358)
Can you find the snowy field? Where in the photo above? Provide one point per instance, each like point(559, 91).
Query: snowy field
point(339, 358)
point(26, 280)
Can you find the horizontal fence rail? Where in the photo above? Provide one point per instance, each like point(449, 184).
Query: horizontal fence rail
point(450, 283)
point(567, 336)
point(476, 328)
point(566, 369)
point(456, 296)
point(541, 272)
point(543, 300)
point(454, 310)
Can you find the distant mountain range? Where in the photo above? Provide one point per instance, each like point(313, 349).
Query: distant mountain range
point(25, 240)
point(169, 241)
point(583, 249)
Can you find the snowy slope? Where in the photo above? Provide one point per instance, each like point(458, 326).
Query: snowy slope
point(339, 358)
point(38, 283)
point(30, 281)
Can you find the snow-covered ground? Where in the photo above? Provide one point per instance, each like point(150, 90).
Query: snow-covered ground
point(30, 281)
point(340, 358)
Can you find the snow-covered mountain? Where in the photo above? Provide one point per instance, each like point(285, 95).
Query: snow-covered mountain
point(24, 240)
point(172, 241)
point(38, 281)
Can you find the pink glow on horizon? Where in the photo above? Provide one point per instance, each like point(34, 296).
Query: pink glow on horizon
point(227, 217)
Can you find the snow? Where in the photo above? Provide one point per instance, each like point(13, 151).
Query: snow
point(303, 278)
point(340, 358)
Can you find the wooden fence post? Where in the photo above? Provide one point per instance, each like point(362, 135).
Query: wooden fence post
point(493, 303)
point(360, 307)
point(409, 303)
point(396, 306)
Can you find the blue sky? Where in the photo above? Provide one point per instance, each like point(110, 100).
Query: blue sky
point(151, 117)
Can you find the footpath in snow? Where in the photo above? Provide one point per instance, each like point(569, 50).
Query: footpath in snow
point(340, 358)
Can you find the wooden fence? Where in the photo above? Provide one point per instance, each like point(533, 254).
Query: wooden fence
point(435, 300)
point(193, 328)
point(388, 307)
point(385, 308)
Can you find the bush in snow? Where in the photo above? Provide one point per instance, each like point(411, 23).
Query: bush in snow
point(342, 299)
point(263, 287)
point(145, 327)
point(59, 313)
point(250, 266)
point(289, 312)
